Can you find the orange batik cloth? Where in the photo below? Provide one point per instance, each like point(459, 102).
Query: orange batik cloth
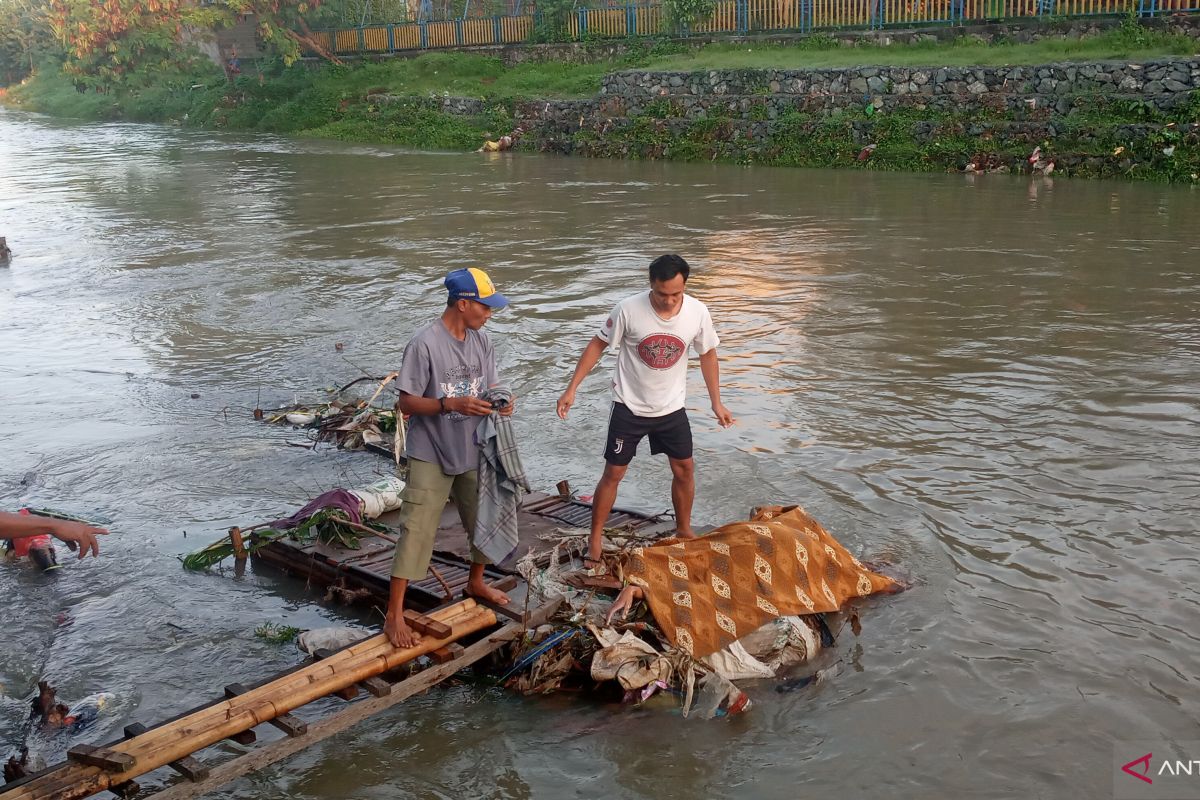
point(707, 593)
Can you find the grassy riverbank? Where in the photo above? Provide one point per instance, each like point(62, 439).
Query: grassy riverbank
point(331, 101)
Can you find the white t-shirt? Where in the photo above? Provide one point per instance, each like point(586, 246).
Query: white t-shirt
point(651, 376)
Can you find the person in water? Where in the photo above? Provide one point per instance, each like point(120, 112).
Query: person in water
point(448, 366)
point(77, 535)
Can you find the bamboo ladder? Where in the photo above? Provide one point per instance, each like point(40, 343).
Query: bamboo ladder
point(114, 766)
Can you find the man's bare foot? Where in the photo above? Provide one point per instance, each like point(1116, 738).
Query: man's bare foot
point(481, 590)
point(688, 534)
point(398, 632)
point(594, 567)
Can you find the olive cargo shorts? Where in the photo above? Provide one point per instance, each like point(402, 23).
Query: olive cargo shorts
point(425, 496)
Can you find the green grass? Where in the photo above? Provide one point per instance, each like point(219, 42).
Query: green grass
point(825, 52)
point(465, 75)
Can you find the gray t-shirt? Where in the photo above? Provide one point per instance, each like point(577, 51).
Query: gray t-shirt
point(438, 365)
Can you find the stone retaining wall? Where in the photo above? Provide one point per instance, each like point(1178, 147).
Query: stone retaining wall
point(1080, 112)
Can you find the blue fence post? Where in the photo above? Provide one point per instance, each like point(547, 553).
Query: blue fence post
point(362, 43)
point(806, 16)
point(582, 15)
point(391, 29)
point(742, 10)
point(497, 30)
point(424, 35)
point(630, 20)
point(458, 31)
point(877, 15)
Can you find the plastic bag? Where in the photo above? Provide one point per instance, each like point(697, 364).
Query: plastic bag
point(380, 497)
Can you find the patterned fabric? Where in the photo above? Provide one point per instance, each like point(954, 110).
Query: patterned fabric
point(501, 480)
point(709, 592)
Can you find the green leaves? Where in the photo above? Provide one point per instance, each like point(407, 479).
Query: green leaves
point(683, 13)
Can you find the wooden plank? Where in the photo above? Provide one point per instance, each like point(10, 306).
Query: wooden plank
point(111, 760)
point(188, 767)
point(444, 655)
point(542, 614)
point(506, 611)
point(340, 721)
point(425, 625)
point(507, 583)
point(285, 722)
point(376, 686)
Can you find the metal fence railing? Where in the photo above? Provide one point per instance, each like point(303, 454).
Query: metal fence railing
point(731, 17)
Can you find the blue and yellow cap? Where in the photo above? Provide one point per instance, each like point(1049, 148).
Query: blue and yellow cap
point(474, 284)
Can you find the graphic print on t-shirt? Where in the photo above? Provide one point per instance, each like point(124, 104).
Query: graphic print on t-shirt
point(462, 381)
point(661, 350)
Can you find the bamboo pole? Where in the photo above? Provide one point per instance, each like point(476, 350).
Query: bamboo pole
point(282, 748)
point(210, 725)
point(170, 742)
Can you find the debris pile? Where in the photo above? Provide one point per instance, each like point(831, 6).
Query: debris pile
point(749, 600)
point(346, 422)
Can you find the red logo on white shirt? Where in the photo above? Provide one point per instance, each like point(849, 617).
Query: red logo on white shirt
point(661, 350)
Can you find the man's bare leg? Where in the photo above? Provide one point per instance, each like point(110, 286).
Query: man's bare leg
point(477, 587)
point(602, 503)
point(394, 626)
point(683, 492)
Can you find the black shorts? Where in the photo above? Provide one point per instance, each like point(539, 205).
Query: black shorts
point(670, 434)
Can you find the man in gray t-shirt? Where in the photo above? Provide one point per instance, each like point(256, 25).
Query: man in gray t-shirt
point(448, 366)
point(438, 365)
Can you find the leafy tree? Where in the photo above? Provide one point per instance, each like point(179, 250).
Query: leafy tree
point(25, 38)
point(284, 25)
point(107, 41)
point(683, 13)
point(551, 21)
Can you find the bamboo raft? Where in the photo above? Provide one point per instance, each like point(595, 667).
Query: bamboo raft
point(368, 569)
point(116, 765)
point(369, 664)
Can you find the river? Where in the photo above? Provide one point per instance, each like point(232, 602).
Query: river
point(991, 381)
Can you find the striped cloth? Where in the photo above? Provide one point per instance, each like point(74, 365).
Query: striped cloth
point(501, 480)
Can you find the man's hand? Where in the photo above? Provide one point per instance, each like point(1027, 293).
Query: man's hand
point(76, 535)
point(724, 418)
point(565, 402)
point(623, 603)
point(471, 406)
point(398, 632)
point(507, 411)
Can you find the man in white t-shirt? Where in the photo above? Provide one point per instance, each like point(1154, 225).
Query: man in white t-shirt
point(652, 331)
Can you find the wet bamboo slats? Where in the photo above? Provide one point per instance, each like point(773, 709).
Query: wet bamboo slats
point(176, 740)
point(278, 750)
